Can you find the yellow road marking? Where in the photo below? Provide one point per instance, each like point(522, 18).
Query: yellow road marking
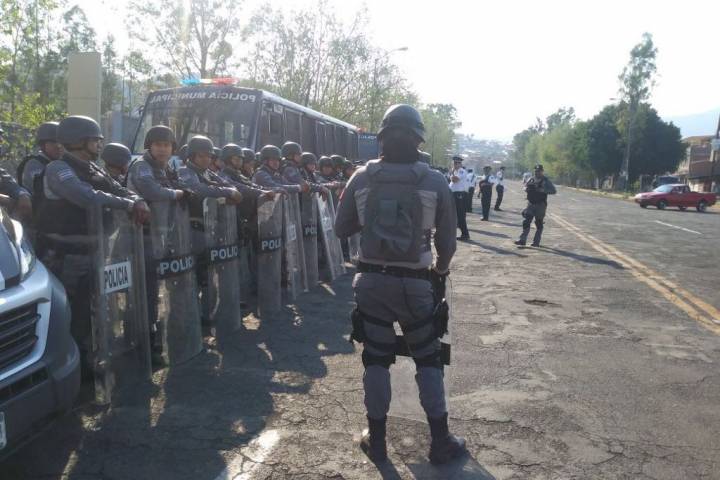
point(700, 311)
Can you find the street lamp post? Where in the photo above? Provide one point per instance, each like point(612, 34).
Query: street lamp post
point(373, 104)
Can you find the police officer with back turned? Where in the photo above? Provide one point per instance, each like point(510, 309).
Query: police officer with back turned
point(395, 203)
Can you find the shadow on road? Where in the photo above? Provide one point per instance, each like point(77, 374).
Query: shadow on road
point(581, 258)
point(489, 234)
point(500, 251)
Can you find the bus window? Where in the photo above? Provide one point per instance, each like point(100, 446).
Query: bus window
point(320, 136)
point(264, 130)
point(352, 143)
point(309, 141)
point(292, 127)
point(276, 128)
point(329, 140)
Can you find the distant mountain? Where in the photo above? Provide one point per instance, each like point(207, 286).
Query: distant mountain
point(697, 124)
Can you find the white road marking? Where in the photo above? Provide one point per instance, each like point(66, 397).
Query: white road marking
point(244, 465)
point(679, 228)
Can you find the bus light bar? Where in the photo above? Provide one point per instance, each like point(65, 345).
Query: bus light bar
point(189, 82)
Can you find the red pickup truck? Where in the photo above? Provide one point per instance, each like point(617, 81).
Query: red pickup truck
point(676, 195)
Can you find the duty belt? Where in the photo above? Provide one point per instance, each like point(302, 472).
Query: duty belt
point(403, 272)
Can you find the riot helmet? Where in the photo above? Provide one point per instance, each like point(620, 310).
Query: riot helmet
point(46, 132)
point(337, 161)
point(230, 150)
point(308, 158)
point(269, 152)
point(183, 153)
point(200, 144)
point(248, 155)
point(159, 133)
point(325, 162)
point(216, 153)
point(116, 155)
point(290, 149)
point(76, 129)
point(404, 117)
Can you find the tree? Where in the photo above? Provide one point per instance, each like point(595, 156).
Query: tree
point(658, 147)
point(189, 39)
point(636, 82)
point(440, 121)
point(604, 142)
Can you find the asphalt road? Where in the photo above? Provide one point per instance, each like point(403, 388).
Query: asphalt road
point(594, 356)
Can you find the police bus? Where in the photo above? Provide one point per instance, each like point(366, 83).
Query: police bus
point(248, 117)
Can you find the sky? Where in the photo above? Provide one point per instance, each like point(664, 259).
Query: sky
point(504, 63)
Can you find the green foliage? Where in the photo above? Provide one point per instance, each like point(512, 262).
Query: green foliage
point(440, 124)
point(638, 76)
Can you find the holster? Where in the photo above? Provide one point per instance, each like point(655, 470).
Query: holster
point(358, 327)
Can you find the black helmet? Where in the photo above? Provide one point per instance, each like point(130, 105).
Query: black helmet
point(159, 133)
point(325, 162)
point(216, 152)
point(116, 154)
point(539, 167)
point(76, 128)
point(337, 160)
point(308, 158)
point(347, 164)
point(183, 153)
point(291, 148)
point(46, 132)
point(200, 144)
point(248, 155)
point(405, 117)
point(269, 151)
point(231, 150)
point(425, 157)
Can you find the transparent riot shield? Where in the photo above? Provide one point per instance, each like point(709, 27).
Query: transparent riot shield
point(296, 218)
point(120, 333)
point(310, 237)
point(178, 333)
point(246, 262)
point(292, 273)
point(269, 256)
point(405, 401)
point(354, 248)
point(331, 243)
point(221, 298)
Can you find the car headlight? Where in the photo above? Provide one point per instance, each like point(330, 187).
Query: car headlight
point(26, 254)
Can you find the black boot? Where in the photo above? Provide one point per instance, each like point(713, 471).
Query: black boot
point(373, 442)
point(444, 446)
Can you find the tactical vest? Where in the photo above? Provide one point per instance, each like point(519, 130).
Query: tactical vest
point(21, 168)
point(533, 195)
point(61, 218)
point(393, 228)
point(169, 180)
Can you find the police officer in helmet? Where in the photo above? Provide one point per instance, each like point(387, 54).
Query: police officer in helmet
point(48, 150)
point(70, 185)
point(394, 273)
point(269, 176)
point(117, 159)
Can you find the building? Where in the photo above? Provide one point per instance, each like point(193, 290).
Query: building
point(701, 168)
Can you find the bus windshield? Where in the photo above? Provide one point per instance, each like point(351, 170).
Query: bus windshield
point(225, 115)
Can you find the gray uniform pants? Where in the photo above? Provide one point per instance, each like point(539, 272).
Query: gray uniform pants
point(409, 302)
point(533, 211)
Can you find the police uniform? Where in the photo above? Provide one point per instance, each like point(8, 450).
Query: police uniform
point(499, 187)
point(402, 194)
point(485, 185)
point(268, 178)
point(537, 190)
point(459, 190)
point(32, 169)
point(9, 187)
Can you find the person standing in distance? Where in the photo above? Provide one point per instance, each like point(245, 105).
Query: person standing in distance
point(485, 187)
point(471, 189)
point(499, 187)
point(395, 203)
point(538, 187)
point(458, 186)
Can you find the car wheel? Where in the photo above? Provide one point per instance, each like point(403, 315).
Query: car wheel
point(701, 206)
point(682, 209)
point(661, 205)
point(642, 205)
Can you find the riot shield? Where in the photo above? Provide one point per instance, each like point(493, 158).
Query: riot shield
point(334, 261)
point(179, 334)
point(246, 262)
point(221, 297)
point(296, 218)
point(292, 270)
point(121, 339)
point(269, 256)
point(354, 248)
point(405, 401)
point(310, 234)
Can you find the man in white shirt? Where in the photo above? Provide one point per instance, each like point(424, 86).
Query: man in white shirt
point(499, 187)
point(459, 187)
point(485, 187)
point(471, 177)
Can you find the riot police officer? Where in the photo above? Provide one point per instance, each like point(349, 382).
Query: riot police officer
point(338, 161)
point(197, 177)
point(538, 187)
point(13, 196)
point(70, 185)
point(249, 164)
point(117, 159)
point(232, 159)
point(269, 176)
point(48, 150)
point(485, 187)
point(394, 272)
point(326, 175)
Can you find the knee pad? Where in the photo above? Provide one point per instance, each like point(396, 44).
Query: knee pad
point(384, 361)
point(433, 360)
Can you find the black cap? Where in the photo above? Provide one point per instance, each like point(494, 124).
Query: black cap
point(457, 158)
point(539, 167)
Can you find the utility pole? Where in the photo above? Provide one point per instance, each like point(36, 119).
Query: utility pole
point(625, 169)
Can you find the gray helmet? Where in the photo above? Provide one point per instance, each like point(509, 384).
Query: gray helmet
point(269, 151)
point(183, 153)
point(77, 128)
point(404, 117)
point(248, 155)
point(46, 132)
point(159, 133)
point(116, 154)
point(425, 157)
point(337, 160)
point(325, 162)
point(200, 144)
point(308, 158)
point(291, 148)
point(216, 152)
point(231, 150)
